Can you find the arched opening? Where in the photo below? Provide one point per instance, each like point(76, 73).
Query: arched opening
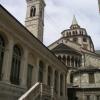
point(49, 82)
point(68, 61)
point(76, 62)
point(72, 61)
point(2, 49)
point(41, 67)
point(56, 82)
point(79, 63)
point(15, 68)
point(64, 59)
point(59, 57)
point(32, 11)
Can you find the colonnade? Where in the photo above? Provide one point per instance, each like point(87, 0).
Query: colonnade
point(51, 75)
point(55, 79)
point(71, 61)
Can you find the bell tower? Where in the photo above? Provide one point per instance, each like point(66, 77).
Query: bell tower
point(34, 21)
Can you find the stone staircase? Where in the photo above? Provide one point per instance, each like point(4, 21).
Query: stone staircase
point(39, 92)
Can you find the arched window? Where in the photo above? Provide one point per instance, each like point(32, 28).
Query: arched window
point(2, 47)
point(49, 76)
point(41, 67)
point(75, 40)
point(15, 68)
point(56, 82)
point(32, 11)
point(61, 84)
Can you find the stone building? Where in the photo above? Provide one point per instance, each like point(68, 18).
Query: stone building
point(76, 49)
point(28, 69)
point(68, 69)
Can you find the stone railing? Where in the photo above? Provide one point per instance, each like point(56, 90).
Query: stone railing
point(31, 93)
point(39, 91)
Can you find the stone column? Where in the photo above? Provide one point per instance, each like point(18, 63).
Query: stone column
point(59, 84)
point(70, 61)
point(7, 61)
point(36, 70)
point(23, 69)
point(74, 63)
point(53, 78)
point(45, 74)
point(66, 61)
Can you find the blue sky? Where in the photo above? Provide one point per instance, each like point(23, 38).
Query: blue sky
point(59, 15)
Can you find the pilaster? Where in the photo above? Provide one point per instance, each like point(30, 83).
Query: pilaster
point(23, 70)
point(45, 74)
point(7, 61)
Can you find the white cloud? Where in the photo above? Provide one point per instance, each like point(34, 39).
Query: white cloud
point(58, 16)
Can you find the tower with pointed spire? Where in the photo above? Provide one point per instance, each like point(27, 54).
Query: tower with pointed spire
point(78, 35)
point(35, 18)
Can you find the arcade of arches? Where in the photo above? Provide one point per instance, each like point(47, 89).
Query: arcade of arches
point(70, 61)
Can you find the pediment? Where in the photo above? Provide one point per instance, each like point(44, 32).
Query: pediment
point(62, 48)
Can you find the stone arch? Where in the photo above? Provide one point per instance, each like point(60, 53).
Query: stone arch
point(5, 37)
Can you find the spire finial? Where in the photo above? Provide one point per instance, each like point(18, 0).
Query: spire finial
point(74, 22)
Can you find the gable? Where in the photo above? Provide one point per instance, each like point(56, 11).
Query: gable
point(62, 48)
